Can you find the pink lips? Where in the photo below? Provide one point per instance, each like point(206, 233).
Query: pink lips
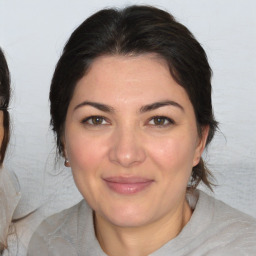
point(127, 185)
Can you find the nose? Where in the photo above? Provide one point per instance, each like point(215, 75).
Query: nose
point(127, 148)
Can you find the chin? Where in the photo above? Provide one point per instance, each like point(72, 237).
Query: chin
point(127, 217)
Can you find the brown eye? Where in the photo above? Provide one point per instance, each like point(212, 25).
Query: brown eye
point(161, 121)
point(96, 120)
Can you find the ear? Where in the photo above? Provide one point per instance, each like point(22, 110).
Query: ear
point(201, 144)
point(66, 162)
point(64, 152)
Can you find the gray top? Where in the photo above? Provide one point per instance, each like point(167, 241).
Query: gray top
point(214, 229)
point(9, 198)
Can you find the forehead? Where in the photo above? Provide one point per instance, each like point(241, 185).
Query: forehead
point(130, 79)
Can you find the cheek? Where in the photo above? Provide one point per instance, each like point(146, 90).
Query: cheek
point(85, 153)
point(85, 156)
point(82, 153)
point(174, 153)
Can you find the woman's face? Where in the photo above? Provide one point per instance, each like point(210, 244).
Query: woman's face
point(131, 139)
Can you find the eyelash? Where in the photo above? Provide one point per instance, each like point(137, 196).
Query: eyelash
point(103, 121)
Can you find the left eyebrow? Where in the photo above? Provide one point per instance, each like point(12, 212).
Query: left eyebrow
point(160, 104)
point(97, 105)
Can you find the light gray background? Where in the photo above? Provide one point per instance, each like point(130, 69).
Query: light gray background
point(33, 33)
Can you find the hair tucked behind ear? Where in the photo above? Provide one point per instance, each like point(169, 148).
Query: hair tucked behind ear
point(200, 173)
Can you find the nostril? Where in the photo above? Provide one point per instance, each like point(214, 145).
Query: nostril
point(127, 153)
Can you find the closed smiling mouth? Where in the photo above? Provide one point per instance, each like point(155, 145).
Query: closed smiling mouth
point(127, 185)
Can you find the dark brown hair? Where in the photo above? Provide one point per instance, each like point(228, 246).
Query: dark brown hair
point(4, 102)
point(136, 30)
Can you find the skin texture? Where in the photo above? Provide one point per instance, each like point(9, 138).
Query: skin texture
point(127, 141)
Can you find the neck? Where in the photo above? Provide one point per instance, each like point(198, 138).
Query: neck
point(143, 240)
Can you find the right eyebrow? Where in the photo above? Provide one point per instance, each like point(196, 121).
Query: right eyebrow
point(97, 105)
point(160, 104)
